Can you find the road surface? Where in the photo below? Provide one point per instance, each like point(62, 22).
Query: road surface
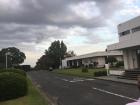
point(68, 90)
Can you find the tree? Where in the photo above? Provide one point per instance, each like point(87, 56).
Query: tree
point(53, 56)
point(69, 54)
point(111, 60)
point(54, 52)
point(16, 57)
point(63, 49)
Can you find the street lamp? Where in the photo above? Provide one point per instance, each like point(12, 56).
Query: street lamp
point(7, 53)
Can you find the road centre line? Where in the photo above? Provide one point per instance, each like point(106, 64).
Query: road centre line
point(65, 80)
point(90, 79)
point(119, 95)
point(77, 80)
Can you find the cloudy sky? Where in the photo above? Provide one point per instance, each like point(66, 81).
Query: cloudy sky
point(84, 25)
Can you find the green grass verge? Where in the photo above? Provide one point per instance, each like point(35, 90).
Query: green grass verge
point(78, 72)
point(32, 98)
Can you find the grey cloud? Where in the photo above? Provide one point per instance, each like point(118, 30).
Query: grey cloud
point(28, 21)
point(48, 11)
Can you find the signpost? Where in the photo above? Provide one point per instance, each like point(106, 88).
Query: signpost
point(107, 69)
point(8, 53)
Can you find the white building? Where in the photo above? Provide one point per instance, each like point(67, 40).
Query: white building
point(97, 59)
point(129, 43)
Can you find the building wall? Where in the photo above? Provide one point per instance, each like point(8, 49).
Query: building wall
point(129, 25)
point(64, 64)
point(101, 61)
point(128, 40)
point(119, 58)
point(86, 61)
point(125, 57)
point(130, 59)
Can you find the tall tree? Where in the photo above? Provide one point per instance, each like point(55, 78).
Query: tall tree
point(69, 54)
point(63, 49)
point(53, 55)
point(16, 57)
point(54, 52)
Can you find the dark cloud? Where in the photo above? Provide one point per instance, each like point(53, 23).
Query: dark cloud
point(55, 12)
point(27, 21)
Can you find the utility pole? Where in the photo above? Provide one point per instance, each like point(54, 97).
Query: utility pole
point(6, 54)
point(60, 57)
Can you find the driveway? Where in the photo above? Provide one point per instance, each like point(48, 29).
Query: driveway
point(70, 90)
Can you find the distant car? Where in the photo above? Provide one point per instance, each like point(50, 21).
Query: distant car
point(50, 69)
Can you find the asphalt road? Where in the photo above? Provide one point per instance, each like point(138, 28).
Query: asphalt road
point(69, 90)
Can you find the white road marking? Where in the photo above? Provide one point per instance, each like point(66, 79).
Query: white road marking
point(65, 80)
point(90, 79)
point(77, 80)
point(119, 95)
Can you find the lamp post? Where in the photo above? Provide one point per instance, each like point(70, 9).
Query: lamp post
point(7, 53)
point(107, 67)
point(107, 63)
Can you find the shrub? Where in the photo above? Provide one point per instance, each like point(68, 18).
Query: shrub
point(84, 69)
point(100, 73)
point(12, 85)
point(21, 72)
point(90, 66)
point(119, 64)
point(23, 67)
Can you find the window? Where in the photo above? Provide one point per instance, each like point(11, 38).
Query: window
point(135, 29)
point(124, 33)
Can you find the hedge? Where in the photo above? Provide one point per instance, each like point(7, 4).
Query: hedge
point(12, 85)
point(21, 72)
point(100, 73)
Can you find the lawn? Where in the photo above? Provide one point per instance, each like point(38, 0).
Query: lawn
point(33, 98)
point(78, 72)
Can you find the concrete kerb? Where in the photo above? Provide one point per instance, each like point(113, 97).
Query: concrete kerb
point(100, 78)
point(129, 83)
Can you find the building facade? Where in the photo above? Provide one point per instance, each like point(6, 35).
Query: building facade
point(96, 59)
point(129, 43)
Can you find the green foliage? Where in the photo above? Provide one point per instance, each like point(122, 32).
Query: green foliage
point(111, 60)
point(53, 56)
point(69, 54)
point(21, 72)
point(34, 97)
point(85, 70)
point(100, 73)
point(119, 64)
point(16, 57)
point(12, 85)
point(23, 67)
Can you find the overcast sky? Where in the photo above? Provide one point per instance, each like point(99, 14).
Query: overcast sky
point(84, 25)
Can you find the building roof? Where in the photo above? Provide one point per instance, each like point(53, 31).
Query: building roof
point(95, 54)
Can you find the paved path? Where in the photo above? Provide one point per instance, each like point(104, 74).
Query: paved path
point(116, 79)
point(81, 91)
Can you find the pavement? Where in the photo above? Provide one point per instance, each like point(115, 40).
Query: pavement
point(116, 79)
point(68, 90)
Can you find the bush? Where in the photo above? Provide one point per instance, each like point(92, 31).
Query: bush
point(12, 85)
point(119, 64)
point(84, 69)
point(23, 67)
point(90, 66)
point(21, 72)
point(100, 73)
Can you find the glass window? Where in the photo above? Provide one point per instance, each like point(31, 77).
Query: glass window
point(136, 29)
point(124, 33)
